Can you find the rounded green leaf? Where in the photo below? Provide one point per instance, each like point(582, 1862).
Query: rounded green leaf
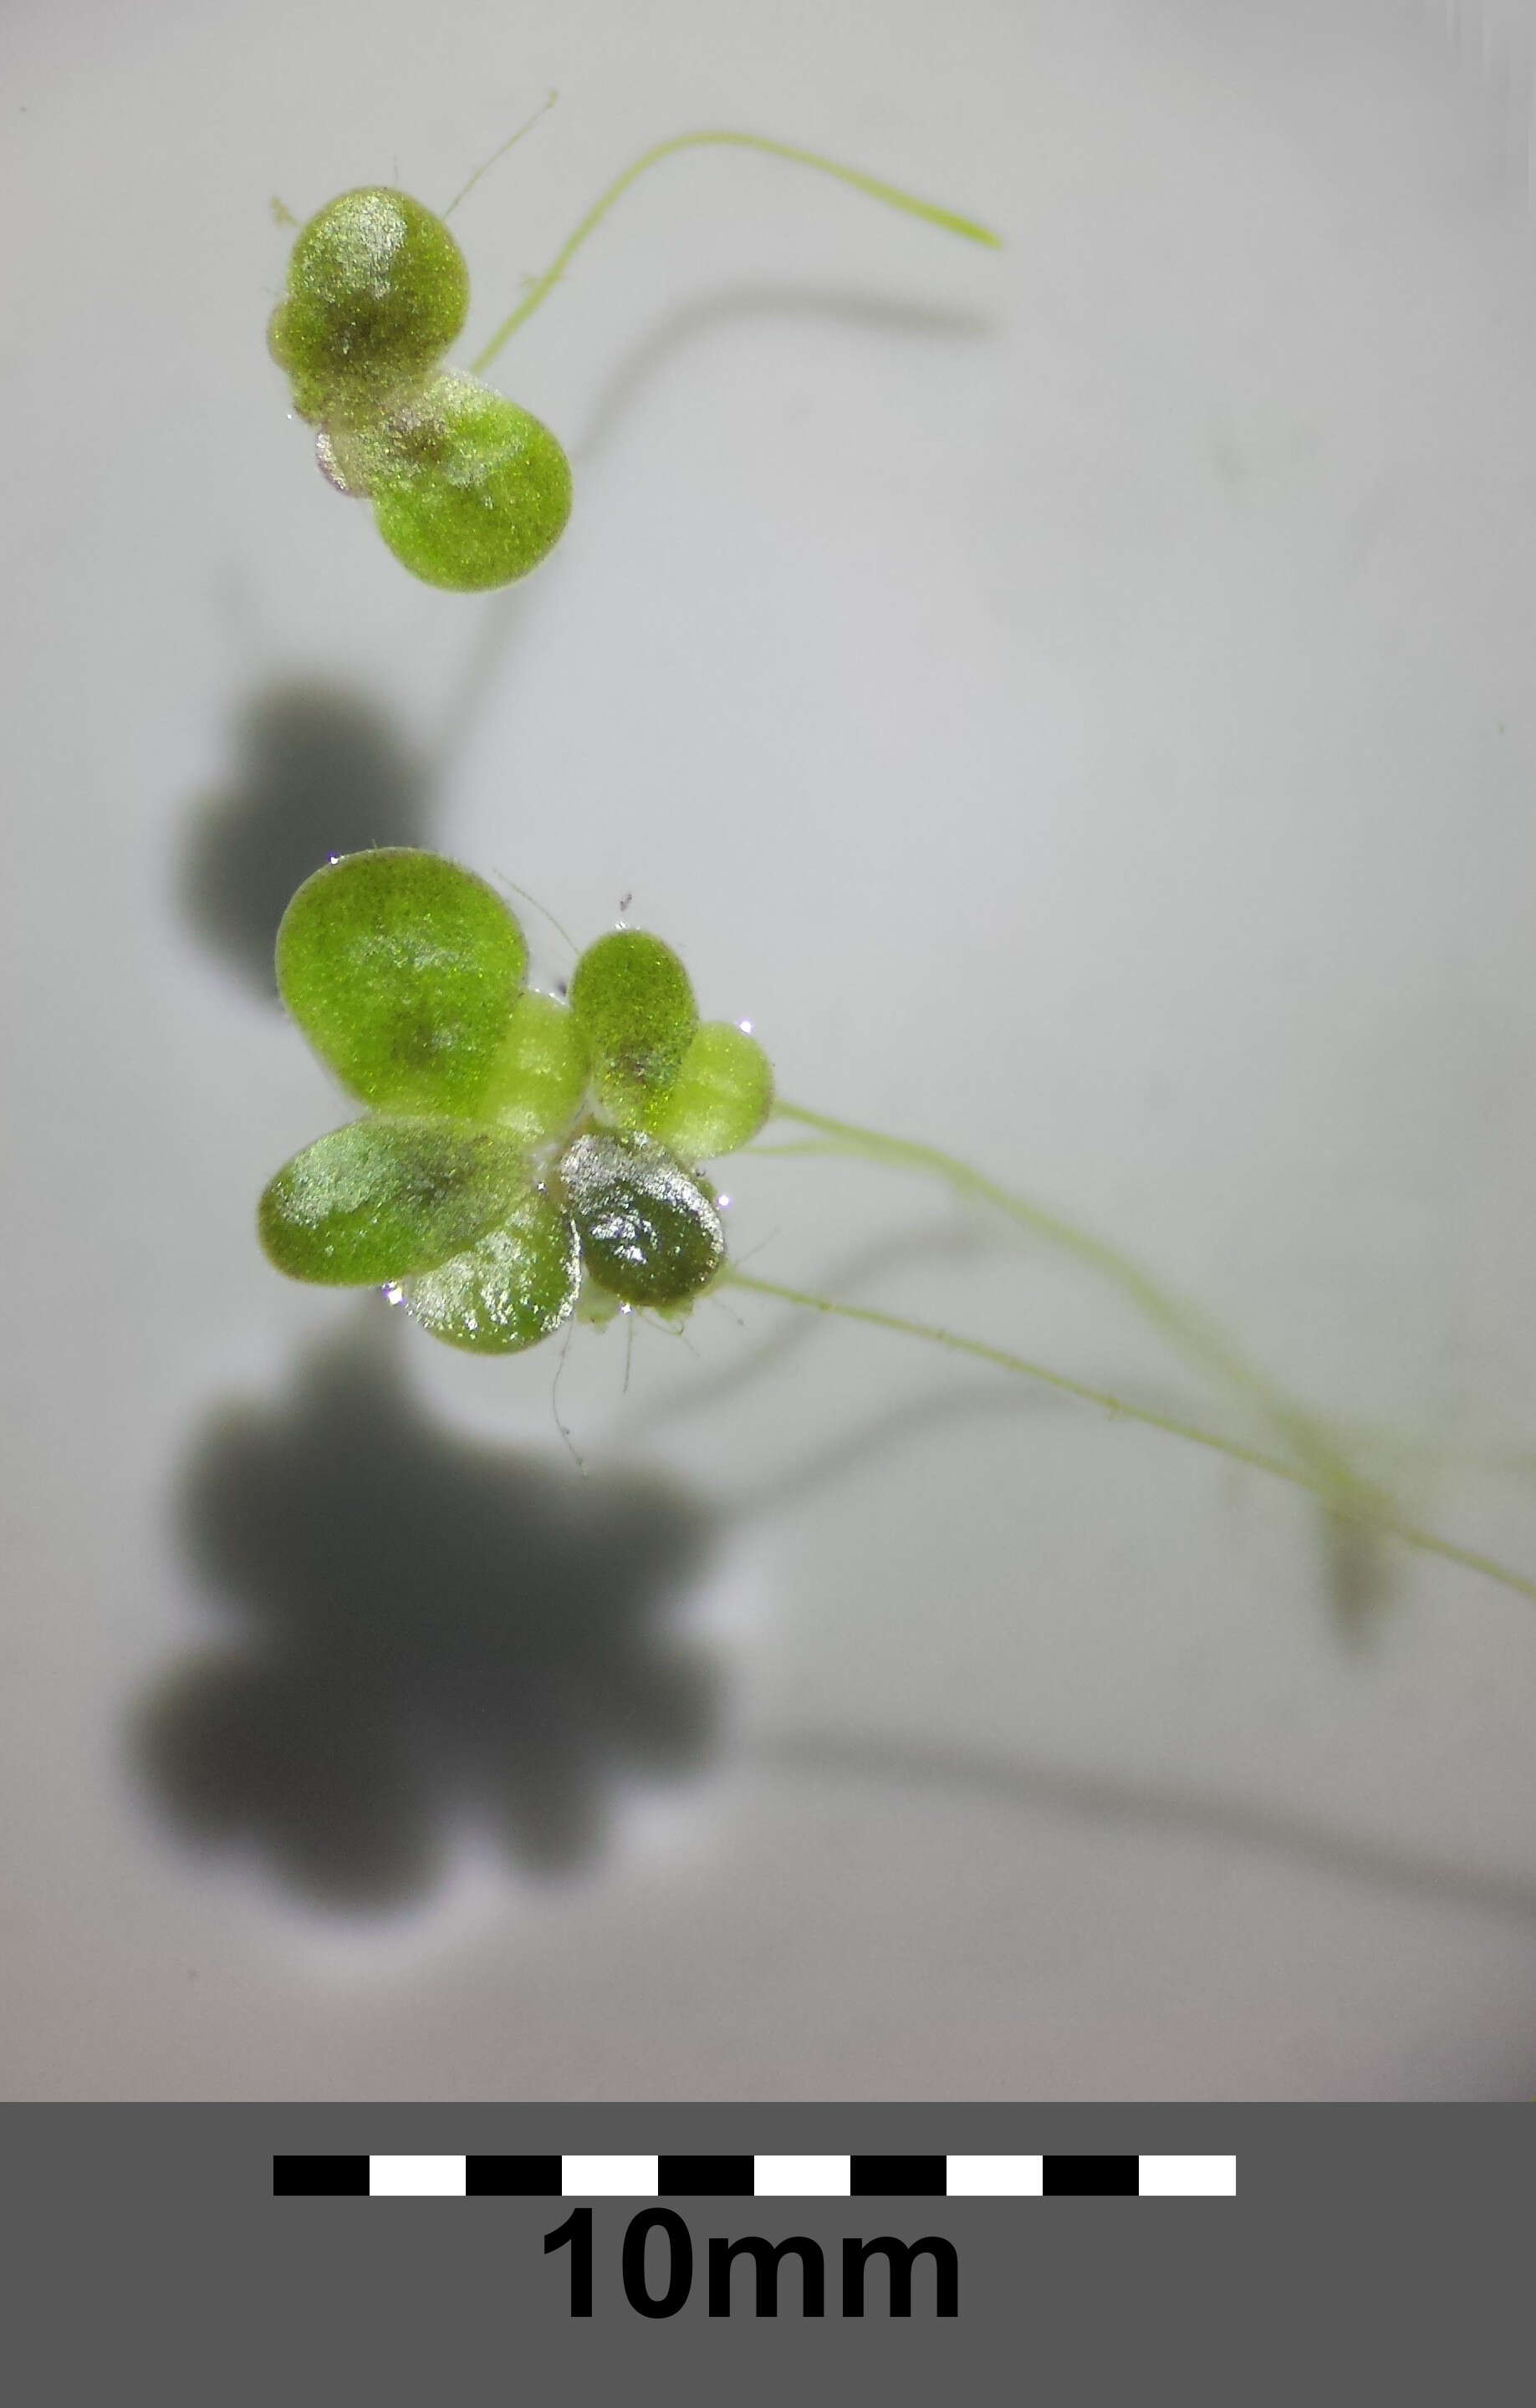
point(632, 995)
point(471, 491)
point(376, 290)
point(402, 970)
point(309, 395)
point(719, 1100)
point(387, 1196)
point(509, 1289)
point(649, 1233)
point(538, 1079)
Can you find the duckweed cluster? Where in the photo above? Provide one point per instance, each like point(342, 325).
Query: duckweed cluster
point(468, 490)
point(521, 1158)
point(520, 1155)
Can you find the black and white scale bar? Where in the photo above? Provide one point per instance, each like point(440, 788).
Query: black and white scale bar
point(885, 2176)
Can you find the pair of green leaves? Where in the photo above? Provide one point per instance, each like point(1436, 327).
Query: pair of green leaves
point(514, 1141)
point(700, 1088)
point(469, 490)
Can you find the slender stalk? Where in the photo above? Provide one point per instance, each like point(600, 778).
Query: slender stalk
point(874, 186)
point(1200, 1340)
point(1359, 1506)
point(485, 166)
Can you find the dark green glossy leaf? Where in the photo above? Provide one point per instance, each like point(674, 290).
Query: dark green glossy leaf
point(650, 1232)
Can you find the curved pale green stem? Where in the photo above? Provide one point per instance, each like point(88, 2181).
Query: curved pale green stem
point(874, 186)
point(1198, 1337)
point(1359, 1506)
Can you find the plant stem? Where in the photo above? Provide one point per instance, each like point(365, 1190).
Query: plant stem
point(1359, 1506)
point(1190, 1330)
point(874, 185)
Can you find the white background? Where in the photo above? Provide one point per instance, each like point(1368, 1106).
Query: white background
point(1076, 701)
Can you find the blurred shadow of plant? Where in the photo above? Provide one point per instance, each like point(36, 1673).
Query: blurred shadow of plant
point(437, 1633)
point(317, 771)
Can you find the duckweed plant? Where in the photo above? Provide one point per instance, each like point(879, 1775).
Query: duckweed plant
point(519, 1153)
point(469, 490)
point(522, 1160)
